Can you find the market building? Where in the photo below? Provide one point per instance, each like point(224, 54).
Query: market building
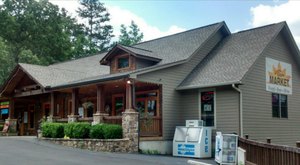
point(245, 82)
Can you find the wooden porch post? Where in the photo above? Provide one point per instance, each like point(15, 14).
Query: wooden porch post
point(52, 108)
point(74, 101)
point(129, 95)
point(11, 108)
point(100, 99)
point(98, 117)
point(74, 111)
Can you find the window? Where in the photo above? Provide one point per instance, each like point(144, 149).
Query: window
point(207, 107)
point(147, 103)
point(123, 62)
point(279, 105)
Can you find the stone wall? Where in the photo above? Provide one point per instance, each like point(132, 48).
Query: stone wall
point(105, 145)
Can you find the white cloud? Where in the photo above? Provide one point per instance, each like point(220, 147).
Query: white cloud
point(289, 12)
point(122, 16)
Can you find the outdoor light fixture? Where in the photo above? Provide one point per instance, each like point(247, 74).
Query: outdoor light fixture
point(129, 82)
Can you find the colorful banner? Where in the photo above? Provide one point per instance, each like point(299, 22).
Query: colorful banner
point(278, 77)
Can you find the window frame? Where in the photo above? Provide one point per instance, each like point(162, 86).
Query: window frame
point(280, 106)
point(215, 105)
point(123, 56)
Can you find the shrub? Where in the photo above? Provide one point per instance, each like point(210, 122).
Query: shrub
point(77, 130)
point(112, 131)
point(1, 127)
point(53, 130)
point(96, 131)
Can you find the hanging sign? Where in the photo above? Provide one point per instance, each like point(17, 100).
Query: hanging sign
point(278, 76)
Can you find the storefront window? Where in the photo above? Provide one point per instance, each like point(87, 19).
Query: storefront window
point(207, 108)
point(279, 106)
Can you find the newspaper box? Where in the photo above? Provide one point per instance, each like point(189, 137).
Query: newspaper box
point(226, 148)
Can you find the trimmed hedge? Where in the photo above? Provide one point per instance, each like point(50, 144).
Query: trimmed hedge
point(77, 130)
point(96, 131)
point(53, 130)
point(82, 130)
point(106, 131)
point(112, 131)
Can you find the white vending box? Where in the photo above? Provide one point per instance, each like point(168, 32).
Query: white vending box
point(192, 141)
point(226, 148)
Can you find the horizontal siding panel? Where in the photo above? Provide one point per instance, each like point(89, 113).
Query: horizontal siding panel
point(173, 111)
point(258, 121)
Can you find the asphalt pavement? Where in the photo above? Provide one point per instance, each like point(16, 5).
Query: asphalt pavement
point(30, 151)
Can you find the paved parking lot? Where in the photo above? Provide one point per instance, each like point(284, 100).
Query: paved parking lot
point(30, 151)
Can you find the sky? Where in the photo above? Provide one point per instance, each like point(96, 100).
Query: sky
point(157, 18)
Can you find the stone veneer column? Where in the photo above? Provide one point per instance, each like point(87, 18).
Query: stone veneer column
point(130, 125)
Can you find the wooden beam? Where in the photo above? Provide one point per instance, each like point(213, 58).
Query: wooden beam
point(29, 93)
point(129, 94)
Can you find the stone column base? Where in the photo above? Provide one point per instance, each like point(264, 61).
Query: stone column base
point(130, 125)
point(12, 125)
point(72, 118)
point(99, 118)
point(50, 119)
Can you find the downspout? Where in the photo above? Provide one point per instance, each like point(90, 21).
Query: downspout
point(241, 108)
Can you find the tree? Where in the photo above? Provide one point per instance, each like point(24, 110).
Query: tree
point(131, 37)
point(98, 31)
point(38, 27)
point(6, 62)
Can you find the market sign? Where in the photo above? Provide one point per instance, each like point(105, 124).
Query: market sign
point(278, 76)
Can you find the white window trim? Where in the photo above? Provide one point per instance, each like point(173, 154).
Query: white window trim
point(215, 103)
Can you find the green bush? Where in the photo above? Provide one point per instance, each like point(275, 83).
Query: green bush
point(96, 131)
point(53, 130)
point(1, 127)
point(77, 130)
point(112, 131)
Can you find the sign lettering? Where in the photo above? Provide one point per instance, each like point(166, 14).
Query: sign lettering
point(278, 76)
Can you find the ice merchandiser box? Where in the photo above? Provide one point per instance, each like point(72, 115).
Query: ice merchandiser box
point(192, 140)
point(226, 148)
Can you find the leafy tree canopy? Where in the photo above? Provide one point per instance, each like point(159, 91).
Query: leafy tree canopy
point(131, 36)
point(97, 29)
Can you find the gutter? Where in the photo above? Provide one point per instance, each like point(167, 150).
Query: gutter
point(241, 108)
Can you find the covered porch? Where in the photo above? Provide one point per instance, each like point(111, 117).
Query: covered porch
point(98, 103)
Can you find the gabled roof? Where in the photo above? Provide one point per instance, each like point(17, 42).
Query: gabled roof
point(62, 73)
point(232, 59)
point(173, 48)
point(137, 52)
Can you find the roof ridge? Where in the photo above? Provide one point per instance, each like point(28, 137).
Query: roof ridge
point(70, 60)
point(138, 48)
point(180, 33)
point(259, 27)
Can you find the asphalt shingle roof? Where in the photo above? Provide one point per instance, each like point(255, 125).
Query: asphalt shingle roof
point(231, 60)
point(169, 49)
point(179, 46)
point(66, 72)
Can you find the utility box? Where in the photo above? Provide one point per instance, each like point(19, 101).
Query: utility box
point(226, 148)
point(192, 141)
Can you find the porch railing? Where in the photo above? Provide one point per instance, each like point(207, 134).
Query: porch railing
point(265, 154)
point(113, 120)
point(148, 126)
